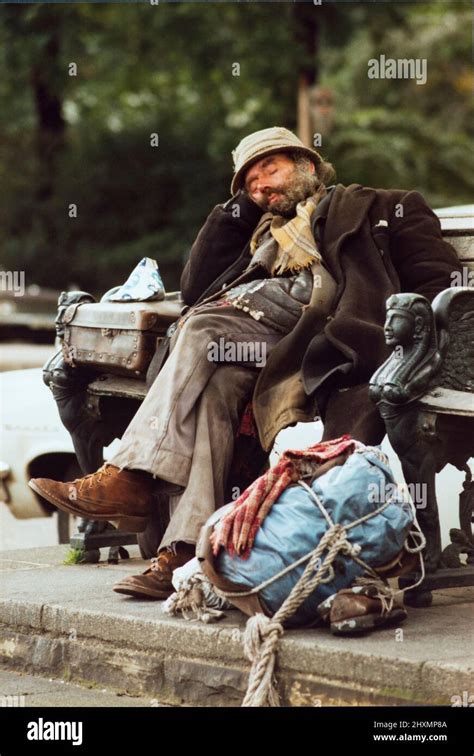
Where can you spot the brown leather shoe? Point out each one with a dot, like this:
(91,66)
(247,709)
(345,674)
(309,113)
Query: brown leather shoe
(155,582)
(123,496)
(354,611)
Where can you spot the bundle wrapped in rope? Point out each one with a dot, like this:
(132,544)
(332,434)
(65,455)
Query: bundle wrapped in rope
(313,541)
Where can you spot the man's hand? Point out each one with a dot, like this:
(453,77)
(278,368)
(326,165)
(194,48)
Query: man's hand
(245,194)
(220,244)
(241,205)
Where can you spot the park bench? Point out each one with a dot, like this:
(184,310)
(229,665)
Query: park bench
(107,401)
(425,394)
(431,425)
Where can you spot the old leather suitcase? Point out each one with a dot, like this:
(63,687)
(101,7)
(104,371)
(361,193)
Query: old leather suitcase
(117,337)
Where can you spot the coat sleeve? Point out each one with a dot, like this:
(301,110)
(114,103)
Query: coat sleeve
(423,260)
(219,243)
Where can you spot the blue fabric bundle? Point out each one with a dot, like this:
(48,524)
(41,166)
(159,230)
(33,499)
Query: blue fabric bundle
(295,525)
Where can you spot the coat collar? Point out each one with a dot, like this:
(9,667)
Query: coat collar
(322,208)
(347,210)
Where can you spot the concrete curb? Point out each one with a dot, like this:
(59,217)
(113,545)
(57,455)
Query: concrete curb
(64,621)
(181,662)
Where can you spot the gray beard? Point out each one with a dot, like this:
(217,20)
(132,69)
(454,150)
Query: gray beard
(301,186)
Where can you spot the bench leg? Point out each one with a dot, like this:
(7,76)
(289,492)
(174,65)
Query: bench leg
(419,470)
(90,432)
(413,438)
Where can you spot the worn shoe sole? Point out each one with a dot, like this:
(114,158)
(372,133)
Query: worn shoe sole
(367,622)
(121,522)
(150,593)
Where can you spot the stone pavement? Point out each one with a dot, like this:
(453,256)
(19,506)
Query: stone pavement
(65,622)
(21,689)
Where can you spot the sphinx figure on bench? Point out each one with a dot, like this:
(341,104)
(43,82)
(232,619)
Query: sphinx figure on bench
(424,393)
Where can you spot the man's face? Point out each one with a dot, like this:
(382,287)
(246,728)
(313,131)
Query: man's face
(277,184)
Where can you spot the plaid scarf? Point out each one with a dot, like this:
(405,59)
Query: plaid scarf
(237,530)
(293,240)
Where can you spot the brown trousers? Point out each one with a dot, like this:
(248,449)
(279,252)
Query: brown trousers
(184,431)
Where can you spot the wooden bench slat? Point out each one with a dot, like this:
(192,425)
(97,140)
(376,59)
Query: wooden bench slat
(114,385)
(464,246)
(462,223)
(449,402)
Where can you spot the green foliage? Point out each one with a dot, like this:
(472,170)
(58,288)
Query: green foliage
(74,556)
(168,69)
(396,133)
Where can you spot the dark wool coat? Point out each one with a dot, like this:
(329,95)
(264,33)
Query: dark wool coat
(323,368)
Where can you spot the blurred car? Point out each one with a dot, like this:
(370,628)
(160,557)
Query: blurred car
(33,443)
(29,317)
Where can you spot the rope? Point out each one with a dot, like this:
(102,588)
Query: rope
(261,638)
(380,591)
(262,634)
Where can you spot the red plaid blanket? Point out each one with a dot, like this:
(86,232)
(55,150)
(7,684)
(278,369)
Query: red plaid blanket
(247,423)
(237,530)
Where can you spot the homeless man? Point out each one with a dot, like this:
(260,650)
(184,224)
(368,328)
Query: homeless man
(300,269)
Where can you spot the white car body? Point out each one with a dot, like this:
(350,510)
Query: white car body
(31,433)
